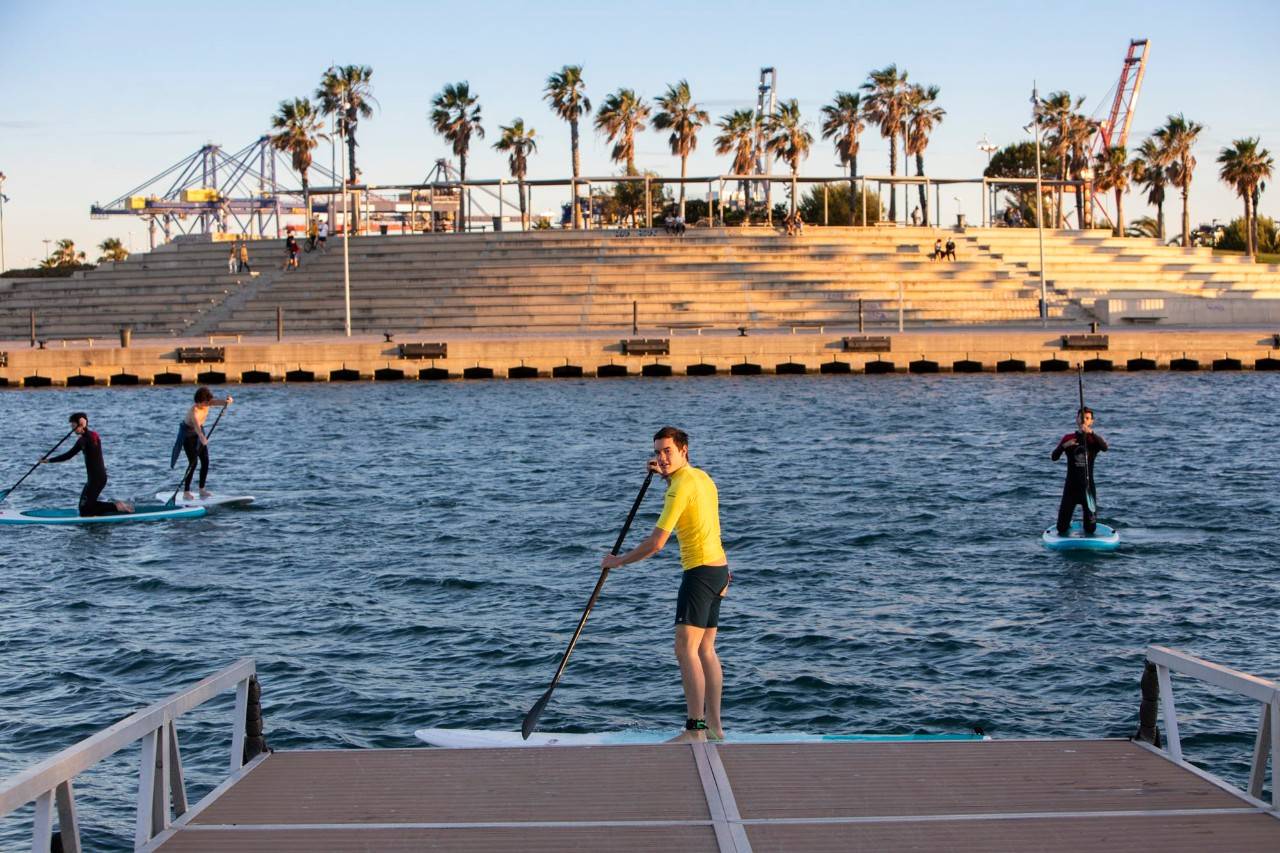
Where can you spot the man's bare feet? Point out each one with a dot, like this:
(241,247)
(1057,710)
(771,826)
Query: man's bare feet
(695,736)
(205,493)
(188,496)
(124,506)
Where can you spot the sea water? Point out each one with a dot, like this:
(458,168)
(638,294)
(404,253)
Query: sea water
(420,553)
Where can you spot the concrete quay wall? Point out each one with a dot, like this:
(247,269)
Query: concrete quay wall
(809,350)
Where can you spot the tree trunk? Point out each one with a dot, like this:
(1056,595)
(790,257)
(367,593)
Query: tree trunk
(573,198)
(1119,212)
(795,172)
(924,192)
(893,170)
(1186,218)
(853,190)
(524,218)
(1248,226)
(461,225)
(351,167)
(1160,220)
(1254,233)
(684,162)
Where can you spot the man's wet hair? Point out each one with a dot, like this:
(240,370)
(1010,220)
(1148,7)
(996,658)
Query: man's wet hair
(1084,410)
(679,436)
(203,394)
(75,418)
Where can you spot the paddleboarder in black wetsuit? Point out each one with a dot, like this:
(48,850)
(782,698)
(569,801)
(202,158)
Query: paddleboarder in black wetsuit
(1081,447)
(95,467)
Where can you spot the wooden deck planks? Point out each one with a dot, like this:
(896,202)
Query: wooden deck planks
(1051,796)
(1010,777)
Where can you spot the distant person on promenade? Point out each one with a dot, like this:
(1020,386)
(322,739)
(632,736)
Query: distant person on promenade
(90,444)
(194,442)
(233,260)
(244,257)
(937,253)
(951,249)
(915,216)
(291,250)
(322,234)
(692,511)
(1081,448)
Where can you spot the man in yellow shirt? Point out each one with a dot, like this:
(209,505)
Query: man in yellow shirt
(692,511)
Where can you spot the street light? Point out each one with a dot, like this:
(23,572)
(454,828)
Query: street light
(986,146)
(46,248)
(1086,209)
(1044,292)
(346,223)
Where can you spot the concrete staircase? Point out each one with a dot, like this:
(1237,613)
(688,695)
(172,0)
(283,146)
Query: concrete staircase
(566,282)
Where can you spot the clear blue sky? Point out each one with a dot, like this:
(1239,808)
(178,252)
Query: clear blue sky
(98,97)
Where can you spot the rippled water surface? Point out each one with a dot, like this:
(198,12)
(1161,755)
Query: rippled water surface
(420,553)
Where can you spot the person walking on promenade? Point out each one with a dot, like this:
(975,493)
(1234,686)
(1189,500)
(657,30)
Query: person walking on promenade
(233,260)
(244,257)
(194,442)
(322,234)
(291,250)
(692,511)
(312,232)
(1081,448)
(90,444)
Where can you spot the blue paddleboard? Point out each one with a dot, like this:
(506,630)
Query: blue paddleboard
(73,516)
(1104,538)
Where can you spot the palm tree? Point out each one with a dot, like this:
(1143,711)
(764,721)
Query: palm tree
(65,255)
(1058,111)
(886,106)
(619,119)
(1150,168)
(566,93)
(1144,226)
(1080,132)
(455,115)
(684,119)
(1113,172)
(738,133)
(519,144)
(1245,166)
(299,129)
(843,124)
(789,140)
(112,250)
(922,118)
(1178,136)
(347,92)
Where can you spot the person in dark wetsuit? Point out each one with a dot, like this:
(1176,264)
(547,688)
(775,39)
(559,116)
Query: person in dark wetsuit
(194,441)
(1081,447)
(95,467)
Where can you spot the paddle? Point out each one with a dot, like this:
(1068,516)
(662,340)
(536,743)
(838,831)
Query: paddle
(4,493)
(531,718)
(1089,496)
(191,466)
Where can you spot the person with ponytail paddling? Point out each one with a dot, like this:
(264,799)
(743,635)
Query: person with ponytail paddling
(692,511)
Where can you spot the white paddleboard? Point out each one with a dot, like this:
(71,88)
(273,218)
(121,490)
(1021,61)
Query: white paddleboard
(479,738)
(71,515)
(210,502)
(1104,538)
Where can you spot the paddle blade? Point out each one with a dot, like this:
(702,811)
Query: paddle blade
(4,493)
(531,719)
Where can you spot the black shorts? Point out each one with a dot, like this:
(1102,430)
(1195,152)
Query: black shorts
(702,588)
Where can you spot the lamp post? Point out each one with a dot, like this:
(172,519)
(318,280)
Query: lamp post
(986,146)
(1086,209)
(3,199)
(346,230)
(46,248)
(1044,292)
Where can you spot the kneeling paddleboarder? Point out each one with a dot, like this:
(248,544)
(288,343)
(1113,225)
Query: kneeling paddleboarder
(1081,447)
(90,444)
(692,511)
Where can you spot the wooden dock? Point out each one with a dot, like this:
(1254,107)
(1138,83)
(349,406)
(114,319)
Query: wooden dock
(1041,795)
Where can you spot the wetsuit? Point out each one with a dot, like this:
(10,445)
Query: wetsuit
(192,430)
(1079,482)
(692,511)
(96,470)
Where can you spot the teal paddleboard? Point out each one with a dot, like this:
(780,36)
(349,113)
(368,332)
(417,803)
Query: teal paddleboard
(60,515)
(479,738)
(1104,538)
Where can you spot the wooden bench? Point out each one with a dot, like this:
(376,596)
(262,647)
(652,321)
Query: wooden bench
(819,327)
(424,350)
(1142,319)
(213,339)
(691,327)
(867,343)
(1094,342)
(201,355)
(646,346)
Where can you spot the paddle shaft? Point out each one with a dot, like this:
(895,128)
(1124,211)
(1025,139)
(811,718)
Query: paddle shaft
(531,719)
(4,494)
(1084,437)
(191,466)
